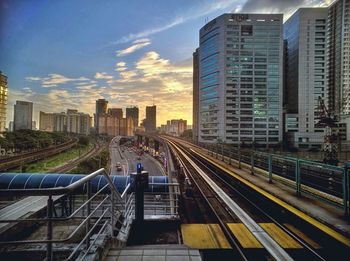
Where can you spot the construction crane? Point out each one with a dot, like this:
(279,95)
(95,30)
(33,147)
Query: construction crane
(329,122)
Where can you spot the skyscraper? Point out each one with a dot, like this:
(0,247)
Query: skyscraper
(338,58)
(46,121)
(151,118)
(3,101)
(305,75)
(101,108)
(133,112)
(195,96)
(116,112)
(23,115)
(240,79)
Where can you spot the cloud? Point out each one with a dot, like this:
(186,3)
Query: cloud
(121,64)
(191,15)
(287,7)
(55,79)
(138,44)
(103,75)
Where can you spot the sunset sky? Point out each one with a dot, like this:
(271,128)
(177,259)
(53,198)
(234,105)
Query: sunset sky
(66,54)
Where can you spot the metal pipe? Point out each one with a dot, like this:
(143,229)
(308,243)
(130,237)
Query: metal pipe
(49,229)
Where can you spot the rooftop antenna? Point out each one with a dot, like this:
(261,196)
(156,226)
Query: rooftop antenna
(153,99)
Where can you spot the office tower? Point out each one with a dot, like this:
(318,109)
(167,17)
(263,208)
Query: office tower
(151,118)
(133,112)
(46,121)
(3,101)
(305,75)
(338,58)
(23,114)
(116,112)
(240,79)
(101,108)
(195,96)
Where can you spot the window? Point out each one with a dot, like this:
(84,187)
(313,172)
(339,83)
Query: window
(246,30)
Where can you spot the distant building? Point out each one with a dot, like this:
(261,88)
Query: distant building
(101,109)
(174,127)
(3,101)
(133,112)
(338,58)
(305,75)
(23,115)
(46,121)
(150,123)
(10,129)
(195,96)
(116,112)
(78,122)
(240,79)
(60,122)
(113,126)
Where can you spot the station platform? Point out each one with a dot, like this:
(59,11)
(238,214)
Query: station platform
(327,218)
(211,236)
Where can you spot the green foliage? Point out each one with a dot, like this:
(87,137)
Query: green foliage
(84,140)
(88,166)
(31,139)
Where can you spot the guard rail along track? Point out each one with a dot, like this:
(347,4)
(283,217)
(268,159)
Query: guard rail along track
(228,202)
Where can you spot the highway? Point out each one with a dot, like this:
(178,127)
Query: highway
(128,157)
(248,220)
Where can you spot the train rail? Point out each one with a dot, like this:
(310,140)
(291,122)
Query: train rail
(232,205)
(18,160)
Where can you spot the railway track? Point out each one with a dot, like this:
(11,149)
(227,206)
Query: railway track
(18,160)
(232,203)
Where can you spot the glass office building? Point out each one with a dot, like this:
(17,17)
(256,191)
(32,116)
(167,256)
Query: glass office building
(240,79)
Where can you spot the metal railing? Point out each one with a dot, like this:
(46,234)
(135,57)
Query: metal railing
(322,181)
(97,213)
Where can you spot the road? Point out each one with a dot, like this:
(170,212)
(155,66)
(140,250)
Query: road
(128,159)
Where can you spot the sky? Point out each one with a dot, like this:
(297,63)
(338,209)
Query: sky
(69,53)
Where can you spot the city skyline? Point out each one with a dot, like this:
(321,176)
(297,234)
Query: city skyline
(96,52)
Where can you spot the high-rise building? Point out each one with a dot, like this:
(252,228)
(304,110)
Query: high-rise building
(101,108)
(78,122)
(240,79)
(23,115)
(116,112)
(151,118)
(133,112)
(305,75)
(46,121)
(338,58)
(60,122)
(174,127)
(195,96)
(3,101)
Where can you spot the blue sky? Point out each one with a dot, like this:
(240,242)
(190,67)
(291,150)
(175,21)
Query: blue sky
(66,54)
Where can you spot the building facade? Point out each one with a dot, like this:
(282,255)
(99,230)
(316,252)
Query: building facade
(77,122)
(133,112)
(101,108)
(305,75)
(3,101)
(23,115)
(46,121)
(174,127)
(240,79)
(150,123)
(116,112)
(338,58)
(195,96)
